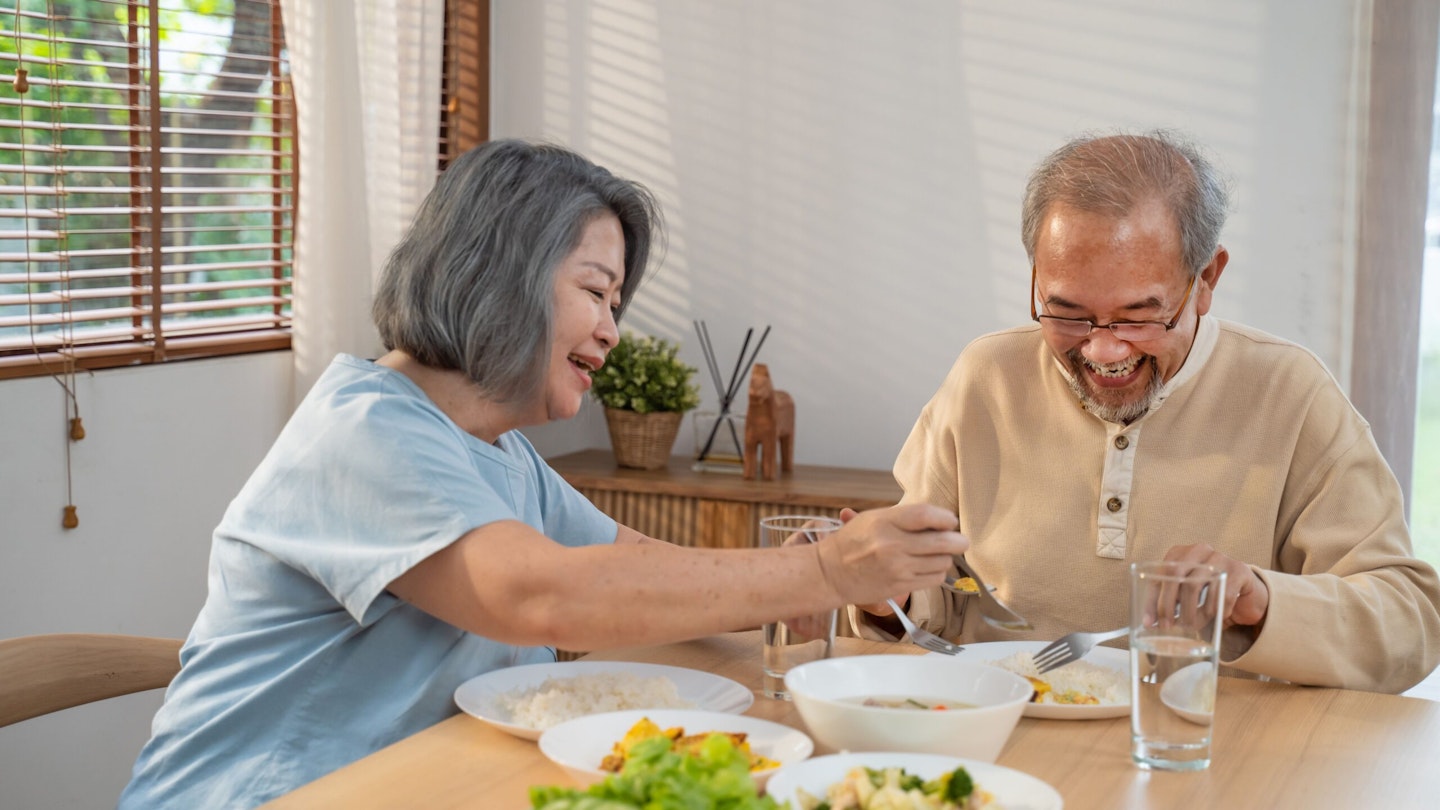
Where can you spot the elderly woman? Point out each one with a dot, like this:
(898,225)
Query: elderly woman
(402,536)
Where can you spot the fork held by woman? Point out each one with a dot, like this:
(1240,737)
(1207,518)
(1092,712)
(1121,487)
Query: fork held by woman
(921,637)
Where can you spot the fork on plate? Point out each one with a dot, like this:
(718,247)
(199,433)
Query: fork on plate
(1072,647)
(923,638)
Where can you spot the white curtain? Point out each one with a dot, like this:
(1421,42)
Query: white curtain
(367,89)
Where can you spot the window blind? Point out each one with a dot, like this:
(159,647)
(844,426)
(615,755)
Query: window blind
(147,182)
(465,90)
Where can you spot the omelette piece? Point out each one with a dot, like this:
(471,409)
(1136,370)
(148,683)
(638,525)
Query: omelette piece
(1041,688)
(643,729)
(680,743)
(1064,697)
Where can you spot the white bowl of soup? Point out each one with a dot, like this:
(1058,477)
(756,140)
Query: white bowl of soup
(915,703)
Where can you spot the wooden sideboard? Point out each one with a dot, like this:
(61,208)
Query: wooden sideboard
(717,509)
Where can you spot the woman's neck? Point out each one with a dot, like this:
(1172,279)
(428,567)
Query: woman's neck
(456,396)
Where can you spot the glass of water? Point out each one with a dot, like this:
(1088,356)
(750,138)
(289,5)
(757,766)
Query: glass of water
(799,639)
(1176,614)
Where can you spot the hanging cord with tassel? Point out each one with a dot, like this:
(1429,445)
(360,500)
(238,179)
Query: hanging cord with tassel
(66,378)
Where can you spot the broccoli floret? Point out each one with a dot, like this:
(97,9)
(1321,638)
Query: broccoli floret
(957,785)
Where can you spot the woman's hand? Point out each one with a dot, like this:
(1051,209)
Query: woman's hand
(881,553)
(881,608)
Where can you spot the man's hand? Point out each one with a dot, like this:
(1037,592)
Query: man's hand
(884,552)
(1246,598)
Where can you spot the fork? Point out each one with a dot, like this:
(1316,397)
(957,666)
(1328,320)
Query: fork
(1072,647)
(918,637)
(923,638)
(992,610)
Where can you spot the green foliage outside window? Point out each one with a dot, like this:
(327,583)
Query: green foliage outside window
(222,154)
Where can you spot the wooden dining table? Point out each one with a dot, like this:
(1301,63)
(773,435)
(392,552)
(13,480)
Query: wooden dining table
(1275,745)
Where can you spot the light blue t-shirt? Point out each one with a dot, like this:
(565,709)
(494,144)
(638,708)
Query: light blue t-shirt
(300,661)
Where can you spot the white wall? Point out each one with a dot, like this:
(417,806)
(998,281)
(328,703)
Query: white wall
(850,172)
(166,448)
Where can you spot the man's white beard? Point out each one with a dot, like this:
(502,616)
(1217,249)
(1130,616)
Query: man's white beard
(1122,414)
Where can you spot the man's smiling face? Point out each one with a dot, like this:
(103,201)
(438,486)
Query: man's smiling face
(1095,266)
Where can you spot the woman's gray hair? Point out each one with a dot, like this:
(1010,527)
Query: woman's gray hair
(471,285)
(1113,174)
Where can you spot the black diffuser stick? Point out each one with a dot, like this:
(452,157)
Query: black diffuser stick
(726,398)
(753,355)
(735,373)
(708,349)
(725,405)
(735,381)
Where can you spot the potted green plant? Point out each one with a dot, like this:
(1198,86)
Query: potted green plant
(645,389)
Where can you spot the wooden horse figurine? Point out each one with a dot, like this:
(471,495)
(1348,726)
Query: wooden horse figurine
(769,426)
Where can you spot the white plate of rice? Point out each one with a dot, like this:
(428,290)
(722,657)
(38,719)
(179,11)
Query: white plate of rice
(526,700)
(1104,672)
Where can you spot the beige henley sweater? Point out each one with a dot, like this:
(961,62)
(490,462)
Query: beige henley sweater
(1253,449)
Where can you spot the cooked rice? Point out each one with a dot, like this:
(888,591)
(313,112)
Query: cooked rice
(1104,683)
(560,699)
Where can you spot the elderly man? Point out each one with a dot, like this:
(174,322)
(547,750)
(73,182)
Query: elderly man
(1128,424)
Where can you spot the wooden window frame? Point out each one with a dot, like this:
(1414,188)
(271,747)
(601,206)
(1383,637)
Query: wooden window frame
(465,94)
(160,326)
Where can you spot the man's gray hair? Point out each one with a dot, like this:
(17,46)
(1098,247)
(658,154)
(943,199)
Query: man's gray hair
(1114,174)
(471,285)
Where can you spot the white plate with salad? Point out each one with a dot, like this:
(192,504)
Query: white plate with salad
(582,746)
(993,785)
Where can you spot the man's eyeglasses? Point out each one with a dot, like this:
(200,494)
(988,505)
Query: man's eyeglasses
(1128,331)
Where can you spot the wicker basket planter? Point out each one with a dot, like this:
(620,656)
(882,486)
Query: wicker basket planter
(642,440)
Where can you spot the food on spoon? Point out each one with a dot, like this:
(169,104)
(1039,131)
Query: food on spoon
(897,789)
(692,745)
(967,584)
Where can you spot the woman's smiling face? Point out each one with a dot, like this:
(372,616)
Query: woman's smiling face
(586,297)
(1094,266)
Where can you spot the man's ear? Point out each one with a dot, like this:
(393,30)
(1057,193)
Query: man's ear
(1209,277)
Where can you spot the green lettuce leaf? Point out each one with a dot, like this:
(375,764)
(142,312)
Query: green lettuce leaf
(716,777)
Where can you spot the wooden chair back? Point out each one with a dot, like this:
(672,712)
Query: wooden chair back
(47,673)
